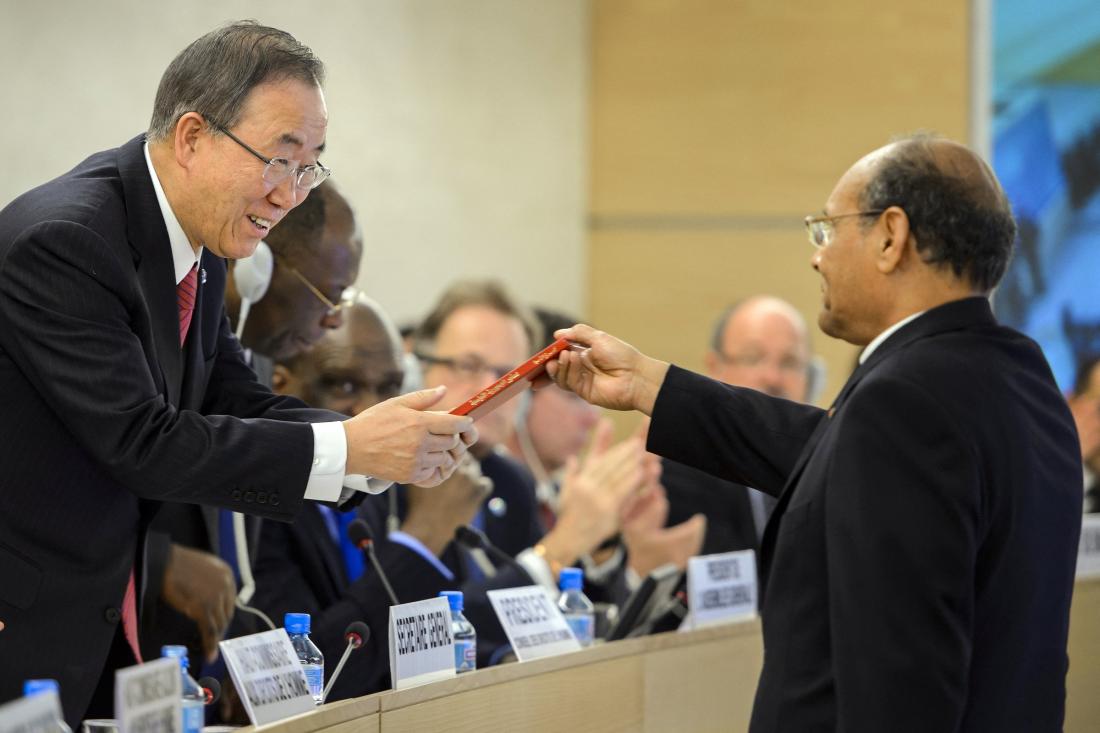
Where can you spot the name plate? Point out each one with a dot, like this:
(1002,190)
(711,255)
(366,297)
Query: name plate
(268,676)
(35,714)
(148,697)
(533,623)
(1088,551)
(422,648)
(721,588)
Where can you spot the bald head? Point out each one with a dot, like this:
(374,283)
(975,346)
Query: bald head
(352,367)
(762,343)
(958,214)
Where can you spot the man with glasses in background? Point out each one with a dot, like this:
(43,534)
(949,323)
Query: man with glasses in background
(761,343)
(123,384)
(917,570)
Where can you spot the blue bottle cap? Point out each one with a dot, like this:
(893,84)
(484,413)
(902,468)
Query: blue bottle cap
(296,623)
(35,687)
(571,579)
(454,598)
(176,651)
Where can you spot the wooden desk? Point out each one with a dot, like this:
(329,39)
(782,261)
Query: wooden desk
(697,681)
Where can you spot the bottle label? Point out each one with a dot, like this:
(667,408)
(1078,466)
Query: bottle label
(193,717)
(582,626)
(315,678)
(465,655)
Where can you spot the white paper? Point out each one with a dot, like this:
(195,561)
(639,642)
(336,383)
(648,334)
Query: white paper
(533,622)
(268,676)
(422,648)
(721,588)
(1088,551)
(148,697)
(35,714)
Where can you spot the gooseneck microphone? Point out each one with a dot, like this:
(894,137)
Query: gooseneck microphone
(211,690)
(360,534)
(356,635)
(473,538)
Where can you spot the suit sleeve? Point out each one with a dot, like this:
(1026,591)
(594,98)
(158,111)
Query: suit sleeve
(68,313)
(734,433)
(902,522)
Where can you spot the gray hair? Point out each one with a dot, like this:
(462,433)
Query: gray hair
(215,74)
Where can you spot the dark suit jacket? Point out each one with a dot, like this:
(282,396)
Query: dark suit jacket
(105,417)
(919,565)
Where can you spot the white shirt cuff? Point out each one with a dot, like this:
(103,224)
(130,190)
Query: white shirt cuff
(330,457)
(600,572)
(538,569)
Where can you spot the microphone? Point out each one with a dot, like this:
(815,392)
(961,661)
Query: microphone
(473,538)
(360,534)
(356,634)
(211,690)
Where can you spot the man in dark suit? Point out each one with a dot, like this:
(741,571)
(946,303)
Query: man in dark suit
(918,567)
(123,384)
(762,343)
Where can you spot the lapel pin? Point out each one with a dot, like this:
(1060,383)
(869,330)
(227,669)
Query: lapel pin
(202,276)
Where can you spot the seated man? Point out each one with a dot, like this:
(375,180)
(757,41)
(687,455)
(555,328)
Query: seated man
(762,343)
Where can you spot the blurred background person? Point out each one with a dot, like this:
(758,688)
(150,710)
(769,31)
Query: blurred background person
(762,343)
(1084,403)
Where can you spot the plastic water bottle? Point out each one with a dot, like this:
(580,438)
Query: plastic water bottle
(313,662)
(578,611)
(36,687)
(463,632)
(194,700)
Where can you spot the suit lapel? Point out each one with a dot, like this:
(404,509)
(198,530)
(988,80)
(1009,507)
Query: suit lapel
(153,258)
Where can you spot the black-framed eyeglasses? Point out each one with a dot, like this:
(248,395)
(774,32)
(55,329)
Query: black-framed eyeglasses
(331,308)
(277,170)
(468,366)
(821,229)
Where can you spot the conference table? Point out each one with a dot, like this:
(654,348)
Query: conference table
(701,680)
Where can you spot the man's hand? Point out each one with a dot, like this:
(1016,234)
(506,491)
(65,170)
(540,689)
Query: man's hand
(435,513)
(200,586)
(593,494)
(609,372)
(1086,414)
(399,440)
(649,544)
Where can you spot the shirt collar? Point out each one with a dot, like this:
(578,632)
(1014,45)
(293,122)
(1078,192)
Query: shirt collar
(183,256)
(877,342)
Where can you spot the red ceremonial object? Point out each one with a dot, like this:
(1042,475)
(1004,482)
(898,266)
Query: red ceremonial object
(512,383)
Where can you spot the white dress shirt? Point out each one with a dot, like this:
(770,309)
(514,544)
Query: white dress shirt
(327,477)
(877,342)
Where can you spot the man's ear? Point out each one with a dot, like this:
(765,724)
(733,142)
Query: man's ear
(891,239)
(185,143)
(280,378)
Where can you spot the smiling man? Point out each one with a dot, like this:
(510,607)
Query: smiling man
(123,384)
(917,570)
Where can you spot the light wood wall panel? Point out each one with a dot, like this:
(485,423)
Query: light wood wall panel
(717,125)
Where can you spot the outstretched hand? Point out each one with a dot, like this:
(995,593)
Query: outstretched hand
(608,372)
(400,440)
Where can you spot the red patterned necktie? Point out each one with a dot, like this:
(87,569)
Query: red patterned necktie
(185,298)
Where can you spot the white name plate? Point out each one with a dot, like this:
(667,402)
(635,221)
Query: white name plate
(35,714)
(148,697)
(1088,551)
(422,648)
(268,676)
(721,588)
(533,623)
